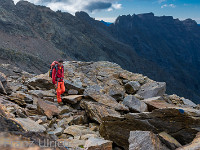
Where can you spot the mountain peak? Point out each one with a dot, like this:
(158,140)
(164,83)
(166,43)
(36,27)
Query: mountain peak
(190,22)
(128,18)
(83,15)
(146,15)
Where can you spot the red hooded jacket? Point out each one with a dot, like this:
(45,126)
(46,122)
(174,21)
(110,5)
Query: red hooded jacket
(59,74)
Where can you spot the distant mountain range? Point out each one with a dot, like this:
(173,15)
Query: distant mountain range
(163,48)
(106,23)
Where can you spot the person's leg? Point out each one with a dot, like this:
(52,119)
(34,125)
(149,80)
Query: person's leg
(58,90)
(62,87)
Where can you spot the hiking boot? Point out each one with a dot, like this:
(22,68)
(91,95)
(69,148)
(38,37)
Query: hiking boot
(61,103)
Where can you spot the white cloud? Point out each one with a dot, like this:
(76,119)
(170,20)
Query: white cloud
(115,6)
(163,6)
(172,5)
(168,5)
(73,6)
(161,1)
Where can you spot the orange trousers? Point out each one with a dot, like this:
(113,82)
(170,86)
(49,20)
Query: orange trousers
(60,90)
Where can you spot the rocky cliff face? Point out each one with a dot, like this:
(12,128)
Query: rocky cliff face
(105,108)
(170,43)
(163,48)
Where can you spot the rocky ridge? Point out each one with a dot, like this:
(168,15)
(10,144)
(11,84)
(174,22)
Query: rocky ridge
(105,108)
(32,37)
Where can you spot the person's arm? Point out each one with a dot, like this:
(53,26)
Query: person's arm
(54,76)
(63,72)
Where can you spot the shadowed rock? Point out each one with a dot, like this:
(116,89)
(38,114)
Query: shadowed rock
(132,87)
(180,124)
(194,145)
(42,81)
(3,83)
(169,141)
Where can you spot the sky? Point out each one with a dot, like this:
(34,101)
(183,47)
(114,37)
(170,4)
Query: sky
(109,10)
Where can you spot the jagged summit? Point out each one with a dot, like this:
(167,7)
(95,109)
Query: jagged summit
(82,14)
(150,16)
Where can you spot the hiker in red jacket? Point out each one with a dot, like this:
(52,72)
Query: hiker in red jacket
(57,79)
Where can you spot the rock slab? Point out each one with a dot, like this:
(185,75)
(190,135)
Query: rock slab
(97,111)
(180,124)
(30,125)
(97,144)
(135,104)
(145,140)
(152,89)
(47,109)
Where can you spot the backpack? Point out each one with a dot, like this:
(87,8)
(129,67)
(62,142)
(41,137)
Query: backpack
(53,65)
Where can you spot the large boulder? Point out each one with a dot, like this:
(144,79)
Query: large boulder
(70,85)
(152,89)
(72,99)
(132,87)
(194,145)
(97,144)
(145,140)
(47,109)
(95,93)
(97,111)
(157,103)
(182,124)
(135,104)
(41,81)
(29,125)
